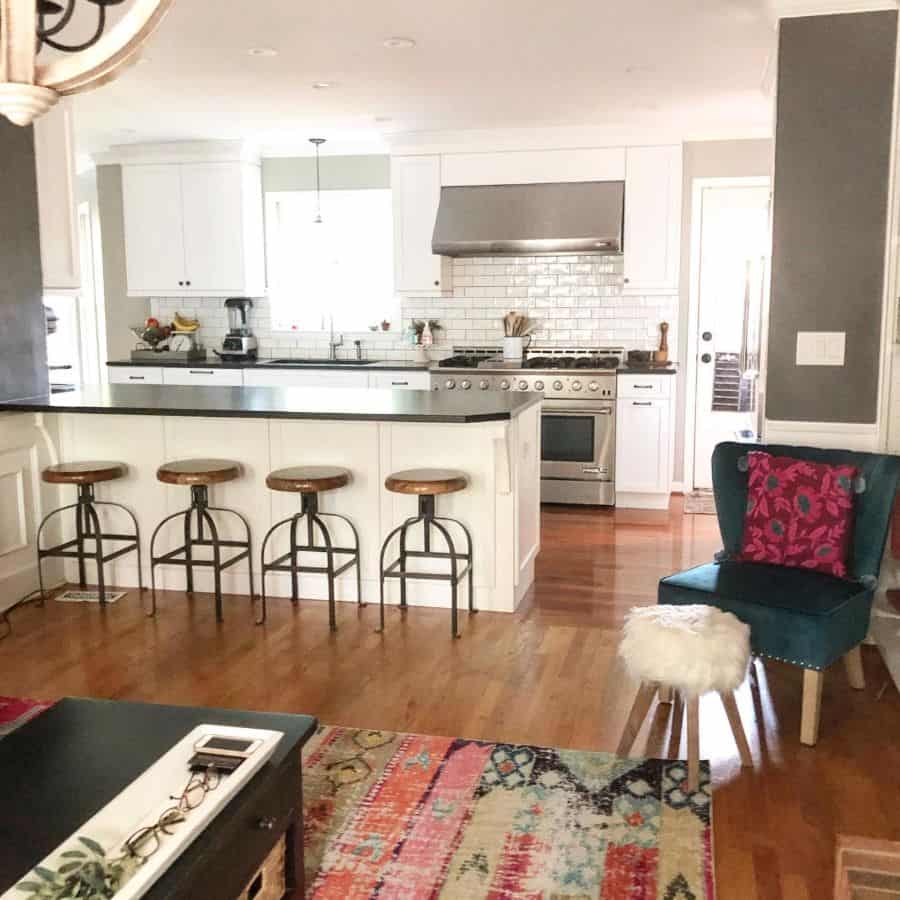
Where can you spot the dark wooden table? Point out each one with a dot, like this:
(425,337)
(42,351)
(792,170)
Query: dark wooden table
(63,766)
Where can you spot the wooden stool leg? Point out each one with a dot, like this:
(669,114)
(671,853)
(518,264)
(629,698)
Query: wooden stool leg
(693,742)
(812,705)
(636,717)
(854,667)
(737,729)
(665,694)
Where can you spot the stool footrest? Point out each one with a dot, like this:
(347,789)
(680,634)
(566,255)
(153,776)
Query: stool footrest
(393,570)
(169,558)
(62,551)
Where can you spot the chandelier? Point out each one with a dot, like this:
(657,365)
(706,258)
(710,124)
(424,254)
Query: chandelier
(28,88)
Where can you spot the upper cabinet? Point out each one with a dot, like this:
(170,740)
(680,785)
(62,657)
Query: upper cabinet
(416,189)
(652,248)
(193,228)
(55,163)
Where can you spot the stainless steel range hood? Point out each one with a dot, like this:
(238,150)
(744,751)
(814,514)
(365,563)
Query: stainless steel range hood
(530,219)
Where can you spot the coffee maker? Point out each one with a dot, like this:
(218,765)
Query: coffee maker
(239,343)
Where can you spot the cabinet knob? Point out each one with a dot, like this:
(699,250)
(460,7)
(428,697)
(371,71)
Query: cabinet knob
(180,284)
(627,281)
(437,284)
(188,283)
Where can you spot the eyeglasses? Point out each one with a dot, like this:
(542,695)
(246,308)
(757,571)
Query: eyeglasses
(146,841)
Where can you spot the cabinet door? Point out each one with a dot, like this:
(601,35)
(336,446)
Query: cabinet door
(154,229)
(416,189)
(642,445)
(213,228)
(134,374)
(203,377)
(652,219)
(400,381)
(263,377)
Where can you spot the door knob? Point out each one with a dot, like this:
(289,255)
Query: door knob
(707,335)
(706,358)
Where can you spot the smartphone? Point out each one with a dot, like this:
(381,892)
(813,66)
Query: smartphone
(220,745)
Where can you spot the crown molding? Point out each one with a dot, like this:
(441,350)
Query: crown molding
(789,9)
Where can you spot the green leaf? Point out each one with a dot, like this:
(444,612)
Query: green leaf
(91,844)
(46,874)
(65,868)
(30,886)
(74,854)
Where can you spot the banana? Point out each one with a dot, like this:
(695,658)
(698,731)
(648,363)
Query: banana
(183,323)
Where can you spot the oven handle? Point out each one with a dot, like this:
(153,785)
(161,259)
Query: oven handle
(569,411)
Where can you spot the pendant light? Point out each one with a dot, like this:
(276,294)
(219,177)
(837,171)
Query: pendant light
(317,142)
(27,88)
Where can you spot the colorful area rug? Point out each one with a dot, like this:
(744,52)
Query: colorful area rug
(401,815)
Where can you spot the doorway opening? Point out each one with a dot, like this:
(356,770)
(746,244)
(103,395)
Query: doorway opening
(730,252)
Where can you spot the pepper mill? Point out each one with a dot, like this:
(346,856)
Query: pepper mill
(662,355)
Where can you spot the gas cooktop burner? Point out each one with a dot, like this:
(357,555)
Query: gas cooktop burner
(572,362)
(464,360)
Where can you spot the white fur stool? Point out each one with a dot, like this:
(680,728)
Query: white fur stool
(693,650)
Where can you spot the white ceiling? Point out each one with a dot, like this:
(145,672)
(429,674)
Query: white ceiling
(696,66)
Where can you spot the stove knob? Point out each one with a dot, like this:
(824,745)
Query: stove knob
(576,385)
(523,385)
(504,385)
(593,386)
(465,384)
(539,385)
(449,384)
(557,385)
(484,384)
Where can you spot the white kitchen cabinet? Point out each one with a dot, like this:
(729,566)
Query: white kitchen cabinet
(401,380)
(416,191)
(134,374)
(193,229)
(644,441)
(201,376)
(263,377)
(652,246)
(54,152)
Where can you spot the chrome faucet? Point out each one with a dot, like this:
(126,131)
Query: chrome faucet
(332,343)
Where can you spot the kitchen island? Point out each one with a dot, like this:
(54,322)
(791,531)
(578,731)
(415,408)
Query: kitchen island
(493,438)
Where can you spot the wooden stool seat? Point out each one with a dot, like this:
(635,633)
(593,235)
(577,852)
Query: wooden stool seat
(90,472)
(308,479)
(426,481)
(198,471)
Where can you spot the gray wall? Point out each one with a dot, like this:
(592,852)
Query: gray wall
(23,329)
(338,173)
(707,159)
(121,310)
(832,157)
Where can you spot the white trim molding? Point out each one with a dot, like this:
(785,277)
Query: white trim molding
(790,9)
(832,435)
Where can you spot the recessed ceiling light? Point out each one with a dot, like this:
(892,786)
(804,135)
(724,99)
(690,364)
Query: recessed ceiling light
(322,85)
(262,51)
(399,43)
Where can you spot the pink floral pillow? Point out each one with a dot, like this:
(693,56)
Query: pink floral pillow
(799,513)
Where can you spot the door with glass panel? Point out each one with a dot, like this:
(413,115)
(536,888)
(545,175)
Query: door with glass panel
(732,281)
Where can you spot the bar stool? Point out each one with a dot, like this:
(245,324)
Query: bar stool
(426,484)
(87,523)
(199,474)
(309,482)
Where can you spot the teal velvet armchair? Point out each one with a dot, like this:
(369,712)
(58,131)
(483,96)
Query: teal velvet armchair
(802,617)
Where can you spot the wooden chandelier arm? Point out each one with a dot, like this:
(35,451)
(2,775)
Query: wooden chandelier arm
(18,22)
(114,52)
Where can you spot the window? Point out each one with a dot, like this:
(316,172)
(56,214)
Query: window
(341,268)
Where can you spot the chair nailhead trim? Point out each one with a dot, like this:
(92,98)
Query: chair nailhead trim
(793,662)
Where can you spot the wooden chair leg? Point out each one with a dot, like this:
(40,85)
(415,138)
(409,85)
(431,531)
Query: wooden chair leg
(853,664)
(812,705)
(665,694)
(693,742)
(636,717)
(737,729)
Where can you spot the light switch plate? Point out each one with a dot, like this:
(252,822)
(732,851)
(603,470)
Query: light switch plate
(821,348)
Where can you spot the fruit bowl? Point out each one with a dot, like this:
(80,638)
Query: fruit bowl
(152,336)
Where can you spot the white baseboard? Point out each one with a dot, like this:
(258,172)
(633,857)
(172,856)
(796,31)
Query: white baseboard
(632,500)
(677,487)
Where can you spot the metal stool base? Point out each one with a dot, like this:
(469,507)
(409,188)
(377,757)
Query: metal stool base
(287,562)
(87,528)
(398,568)
(184,555)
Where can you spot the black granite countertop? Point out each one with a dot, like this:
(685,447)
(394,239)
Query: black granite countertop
(394,365)
(348,404)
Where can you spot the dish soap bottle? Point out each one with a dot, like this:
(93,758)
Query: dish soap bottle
(427,336)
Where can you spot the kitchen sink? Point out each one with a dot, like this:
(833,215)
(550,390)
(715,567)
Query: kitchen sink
(316,362)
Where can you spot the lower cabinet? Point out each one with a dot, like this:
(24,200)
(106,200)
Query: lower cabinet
(309,378)
(201,377)
(134,374)
(644,440)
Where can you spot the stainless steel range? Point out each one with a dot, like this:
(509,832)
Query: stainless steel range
(578,417)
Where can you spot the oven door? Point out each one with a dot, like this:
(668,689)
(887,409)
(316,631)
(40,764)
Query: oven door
(578,440)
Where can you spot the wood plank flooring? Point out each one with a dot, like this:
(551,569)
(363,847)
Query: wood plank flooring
(546,675)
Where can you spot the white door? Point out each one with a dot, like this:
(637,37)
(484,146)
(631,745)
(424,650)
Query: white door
(732,262)
(154,228)
(213,246)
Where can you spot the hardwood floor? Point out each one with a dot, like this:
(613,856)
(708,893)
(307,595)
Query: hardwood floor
(546,675)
